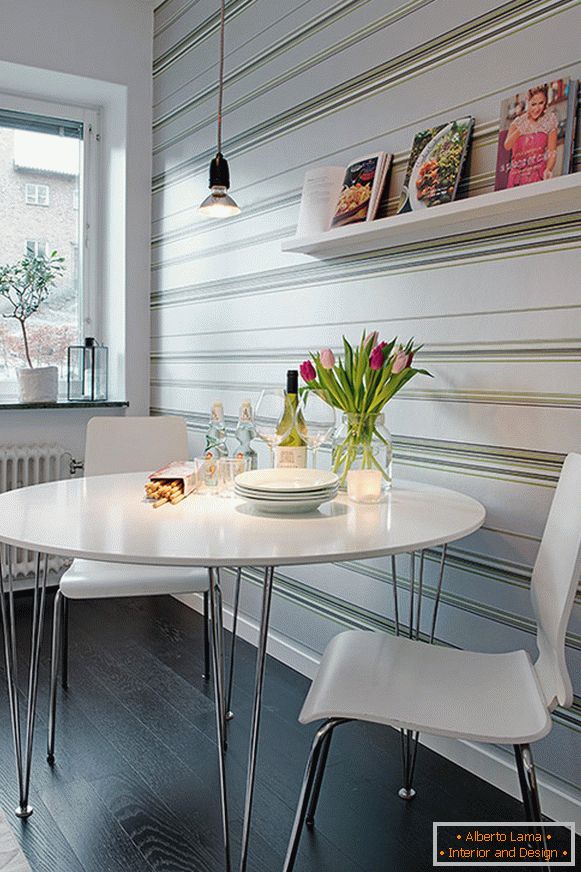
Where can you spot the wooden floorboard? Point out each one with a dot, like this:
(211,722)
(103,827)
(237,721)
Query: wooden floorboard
(135,783)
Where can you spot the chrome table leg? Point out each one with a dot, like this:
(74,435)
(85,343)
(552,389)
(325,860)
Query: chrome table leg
(410,738)
(54,657)
(216,620)
(229,714)
(22,750)
(206,672)
(257,707)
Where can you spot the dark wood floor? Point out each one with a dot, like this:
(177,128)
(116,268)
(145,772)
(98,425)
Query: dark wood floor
(135,783)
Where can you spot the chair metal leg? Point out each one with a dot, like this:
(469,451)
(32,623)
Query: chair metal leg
(320,742)
(229,713)
(310,819)
(65,645)
(528,782)
(206,672)
(54,658)
(22,751)
(409,750)
(256,713)
(216,616)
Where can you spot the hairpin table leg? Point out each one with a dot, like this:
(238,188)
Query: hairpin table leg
(410,738)
(22,749)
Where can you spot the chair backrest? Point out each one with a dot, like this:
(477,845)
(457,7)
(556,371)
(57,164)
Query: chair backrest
(134,444)
(554,583)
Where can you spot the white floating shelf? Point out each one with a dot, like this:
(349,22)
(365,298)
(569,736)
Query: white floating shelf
(538,200)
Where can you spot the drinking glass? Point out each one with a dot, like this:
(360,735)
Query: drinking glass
(268,418)
(320,419)
(228,469)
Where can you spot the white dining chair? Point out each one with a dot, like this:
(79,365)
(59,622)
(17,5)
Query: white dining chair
(117,445)
(499,698)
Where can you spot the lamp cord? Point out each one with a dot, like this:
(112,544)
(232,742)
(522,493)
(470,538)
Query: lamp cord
(221,73)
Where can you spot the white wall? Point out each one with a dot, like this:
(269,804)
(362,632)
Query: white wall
(322,82)
(103,48)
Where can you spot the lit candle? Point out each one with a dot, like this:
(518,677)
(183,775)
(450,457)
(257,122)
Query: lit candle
(364,485)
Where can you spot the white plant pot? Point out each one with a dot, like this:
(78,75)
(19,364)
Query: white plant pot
(38,385)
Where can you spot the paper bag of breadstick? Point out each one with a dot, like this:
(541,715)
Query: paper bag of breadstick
(172,483)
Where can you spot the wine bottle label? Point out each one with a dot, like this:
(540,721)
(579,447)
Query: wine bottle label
(290,456)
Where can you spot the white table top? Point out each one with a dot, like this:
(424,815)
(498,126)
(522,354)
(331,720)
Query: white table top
(107,518)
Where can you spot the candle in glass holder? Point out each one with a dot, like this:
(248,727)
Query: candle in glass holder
(364,485)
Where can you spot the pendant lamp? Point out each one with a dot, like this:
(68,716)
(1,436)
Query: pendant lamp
(219,204)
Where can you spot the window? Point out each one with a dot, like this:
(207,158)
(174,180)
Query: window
(46,153)
(34,248)
(36,195)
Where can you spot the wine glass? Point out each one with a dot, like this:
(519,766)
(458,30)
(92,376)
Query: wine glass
(271,420)
(319,419)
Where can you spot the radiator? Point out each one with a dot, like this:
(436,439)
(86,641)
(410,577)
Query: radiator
(23,465)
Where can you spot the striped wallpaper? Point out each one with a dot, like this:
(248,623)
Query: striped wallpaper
(315,81)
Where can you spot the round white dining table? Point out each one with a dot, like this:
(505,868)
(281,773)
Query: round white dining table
(107,518)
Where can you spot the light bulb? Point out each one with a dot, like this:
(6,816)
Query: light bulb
(219,204)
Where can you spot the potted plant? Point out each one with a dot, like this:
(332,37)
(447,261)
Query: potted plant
(25,286)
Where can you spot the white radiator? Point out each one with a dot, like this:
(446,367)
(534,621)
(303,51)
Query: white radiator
(23,465)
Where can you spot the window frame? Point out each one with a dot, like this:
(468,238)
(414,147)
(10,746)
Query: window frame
(90,319)
(36,188)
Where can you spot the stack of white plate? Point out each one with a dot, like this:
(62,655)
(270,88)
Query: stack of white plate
(287,490)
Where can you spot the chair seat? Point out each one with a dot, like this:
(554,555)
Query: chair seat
(89,579)
(443,691)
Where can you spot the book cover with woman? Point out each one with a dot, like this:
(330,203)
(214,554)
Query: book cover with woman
(536,134)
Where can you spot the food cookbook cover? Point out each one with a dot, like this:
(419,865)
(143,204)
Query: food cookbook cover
(435,165)
(359,190)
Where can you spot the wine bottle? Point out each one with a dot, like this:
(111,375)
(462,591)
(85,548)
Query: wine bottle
(292,451)
(245,433)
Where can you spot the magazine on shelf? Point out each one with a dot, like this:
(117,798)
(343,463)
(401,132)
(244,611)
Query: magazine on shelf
(435,165)
(361,189)
(536,134)
(321,190)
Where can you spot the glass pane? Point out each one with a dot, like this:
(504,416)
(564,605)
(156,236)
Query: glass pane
(41,212)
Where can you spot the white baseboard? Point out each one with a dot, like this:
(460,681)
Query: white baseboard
(486,761)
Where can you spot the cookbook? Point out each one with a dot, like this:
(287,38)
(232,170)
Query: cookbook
(361,190)
(435,165)
(536,134)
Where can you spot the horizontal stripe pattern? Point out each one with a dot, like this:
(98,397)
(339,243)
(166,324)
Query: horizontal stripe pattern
(498,310)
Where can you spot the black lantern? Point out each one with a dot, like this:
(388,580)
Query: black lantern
(87,372)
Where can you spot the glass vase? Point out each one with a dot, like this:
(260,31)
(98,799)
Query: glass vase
(362,457)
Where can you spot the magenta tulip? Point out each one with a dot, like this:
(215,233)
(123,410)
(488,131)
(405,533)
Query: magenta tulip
(376,358)
(308,371)
(401,362)
(327,358)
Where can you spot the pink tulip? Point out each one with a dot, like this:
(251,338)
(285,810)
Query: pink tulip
(308,372)
(327,358)
(376,358)
(371,340)
(402,361)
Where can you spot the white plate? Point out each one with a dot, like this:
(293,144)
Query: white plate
(286,507)
(295,498)
(288,480)
(307,494)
